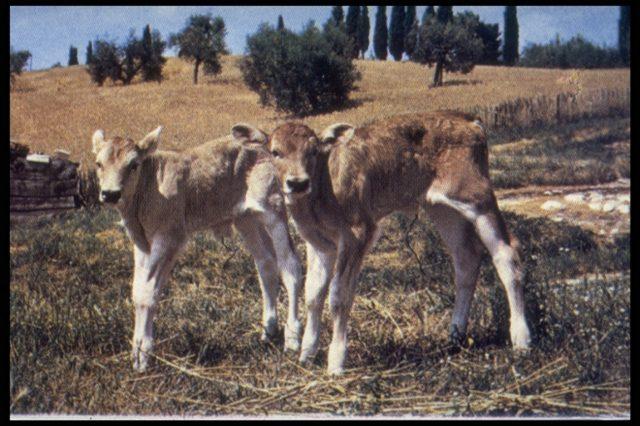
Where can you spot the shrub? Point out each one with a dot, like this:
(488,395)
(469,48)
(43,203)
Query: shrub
(575,53)
(123,63)
(300,73)
(17,62)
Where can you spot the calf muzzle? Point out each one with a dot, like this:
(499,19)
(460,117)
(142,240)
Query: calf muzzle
(110,196)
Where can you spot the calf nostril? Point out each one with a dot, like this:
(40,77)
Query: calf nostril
(298,185)
(110,196)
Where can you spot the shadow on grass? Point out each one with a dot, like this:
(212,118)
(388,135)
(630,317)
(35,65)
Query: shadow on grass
(457,82)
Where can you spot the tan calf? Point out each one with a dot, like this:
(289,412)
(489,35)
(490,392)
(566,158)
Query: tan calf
(163,197)
(339,186)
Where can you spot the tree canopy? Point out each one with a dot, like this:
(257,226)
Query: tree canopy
(202,42)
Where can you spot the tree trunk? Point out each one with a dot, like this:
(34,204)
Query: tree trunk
(437,75)
(195,72)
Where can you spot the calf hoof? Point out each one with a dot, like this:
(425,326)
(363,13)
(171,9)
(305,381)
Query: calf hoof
(457,338)
(335,371)
(269,335)
(140,361)
(520,338)
(307,356)
(292,338)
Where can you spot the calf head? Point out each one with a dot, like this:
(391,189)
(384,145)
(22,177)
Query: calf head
(296,150)
(118,163)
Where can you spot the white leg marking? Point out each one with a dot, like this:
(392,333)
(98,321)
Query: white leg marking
(258,242)
(291,275)
(319,271)
(459,237)
(150,274)
(504,259)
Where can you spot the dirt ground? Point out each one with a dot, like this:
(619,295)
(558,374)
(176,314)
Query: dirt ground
(603,209)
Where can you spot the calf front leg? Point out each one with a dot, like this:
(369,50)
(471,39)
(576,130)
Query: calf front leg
(259,244)
(319,272)
(290,273)
(150,274)
(342,292)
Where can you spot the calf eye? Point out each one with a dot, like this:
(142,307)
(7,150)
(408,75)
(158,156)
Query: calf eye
(276,153)
(98,164)
(134,166)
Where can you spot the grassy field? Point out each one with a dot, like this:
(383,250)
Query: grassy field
(585,152)
(71,321)
(60,108)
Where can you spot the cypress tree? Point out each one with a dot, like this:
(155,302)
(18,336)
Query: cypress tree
(280,22)
(396,32)
(380,34)
(410,30)
(510,50)
(624,32)
(352,27)
(89,56)
(337,15)
(151,55)
(445,14)
(409,18)
(429,12)
(73,55)
(363,30)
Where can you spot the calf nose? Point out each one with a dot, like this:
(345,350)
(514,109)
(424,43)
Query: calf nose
(298,185)
(110,196)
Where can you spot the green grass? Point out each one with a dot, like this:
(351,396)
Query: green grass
(71,320)
(559,157)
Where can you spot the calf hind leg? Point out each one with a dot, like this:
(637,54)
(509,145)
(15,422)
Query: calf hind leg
(465,250)
(491,229)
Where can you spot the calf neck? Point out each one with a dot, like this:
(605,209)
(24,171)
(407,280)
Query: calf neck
(163,197)
(339,187)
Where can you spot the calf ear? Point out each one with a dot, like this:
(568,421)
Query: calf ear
(98,141)
(149,143)
(246,133)
(340,132)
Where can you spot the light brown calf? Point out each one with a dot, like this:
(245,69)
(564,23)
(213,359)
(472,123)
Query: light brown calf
(339,186)
(163,197)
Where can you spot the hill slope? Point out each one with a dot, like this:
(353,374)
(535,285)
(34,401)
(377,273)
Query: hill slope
(60,108)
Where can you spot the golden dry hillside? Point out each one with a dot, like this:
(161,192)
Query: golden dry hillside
(60,108)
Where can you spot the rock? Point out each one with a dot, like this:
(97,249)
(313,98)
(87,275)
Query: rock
(595,206)
(576,198)
(609,206)
(547,192)
(625,198)
(595,196)
(623,208)
(38,158)
(552,205)
(557,219)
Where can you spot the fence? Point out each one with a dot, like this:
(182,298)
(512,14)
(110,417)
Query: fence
(565,107)
(41,183)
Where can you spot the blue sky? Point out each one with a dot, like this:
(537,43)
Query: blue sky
(48,31)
